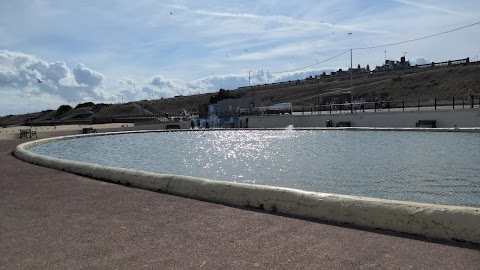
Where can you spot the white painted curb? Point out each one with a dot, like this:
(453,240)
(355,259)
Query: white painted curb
(451,223)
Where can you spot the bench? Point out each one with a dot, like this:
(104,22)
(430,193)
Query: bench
(429,123)
(344,124)
(27,133)
(89,130)
(173,126)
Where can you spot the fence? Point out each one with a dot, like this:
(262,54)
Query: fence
(110,119)
(346,73)
(388,105)
(378,106)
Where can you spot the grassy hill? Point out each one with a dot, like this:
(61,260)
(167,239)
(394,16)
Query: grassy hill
(412,84)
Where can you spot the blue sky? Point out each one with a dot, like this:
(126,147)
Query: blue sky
(106,51)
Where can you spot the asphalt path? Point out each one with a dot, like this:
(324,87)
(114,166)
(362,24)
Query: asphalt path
(50,219)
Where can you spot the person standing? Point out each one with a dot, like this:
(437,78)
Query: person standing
(471,97)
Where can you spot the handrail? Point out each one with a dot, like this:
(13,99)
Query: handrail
(450,103)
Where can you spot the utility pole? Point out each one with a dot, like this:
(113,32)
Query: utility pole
(249,95)
(351,81)
(318,89)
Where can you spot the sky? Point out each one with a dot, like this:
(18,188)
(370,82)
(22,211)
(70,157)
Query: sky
(120,51)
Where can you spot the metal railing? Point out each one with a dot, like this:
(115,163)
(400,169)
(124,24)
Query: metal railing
(391,105)
(156,118)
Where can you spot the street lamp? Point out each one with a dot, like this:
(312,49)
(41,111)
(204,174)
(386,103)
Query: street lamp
(249,78)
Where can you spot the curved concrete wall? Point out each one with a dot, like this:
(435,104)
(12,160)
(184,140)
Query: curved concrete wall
(436,221)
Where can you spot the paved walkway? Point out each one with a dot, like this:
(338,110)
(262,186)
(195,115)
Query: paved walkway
(55,220)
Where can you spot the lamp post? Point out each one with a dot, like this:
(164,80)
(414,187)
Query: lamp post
(318,89)
(351,81)
(249,95)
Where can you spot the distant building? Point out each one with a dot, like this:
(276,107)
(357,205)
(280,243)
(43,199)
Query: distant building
(357,70)
(393,65)
(340,72)
(234,107)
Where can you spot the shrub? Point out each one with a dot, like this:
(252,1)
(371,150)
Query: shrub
(86,104)
(63,109)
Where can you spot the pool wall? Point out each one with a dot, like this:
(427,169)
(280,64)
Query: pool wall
(451,223)
(461,118)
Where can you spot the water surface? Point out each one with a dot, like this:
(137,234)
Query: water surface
(433,167)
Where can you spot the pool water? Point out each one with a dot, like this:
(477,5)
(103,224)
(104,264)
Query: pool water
(432,167)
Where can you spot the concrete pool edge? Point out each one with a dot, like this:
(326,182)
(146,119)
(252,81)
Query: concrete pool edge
(451,223)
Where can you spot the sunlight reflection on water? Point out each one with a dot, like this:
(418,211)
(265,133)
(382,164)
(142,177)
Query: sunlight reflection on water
(417,166)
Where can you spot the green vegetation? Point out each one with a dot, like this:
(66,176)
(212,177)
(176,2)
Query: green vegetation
(86,104)
(222,94)
(63,109)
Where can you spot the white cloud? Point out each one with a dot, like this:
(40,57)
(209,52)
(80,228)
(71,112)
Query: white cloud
(161,83)
(158,86)
(419,61)
(431,7)
(128,83)
(7,77)
(19,74)
(214,83)
(86,76)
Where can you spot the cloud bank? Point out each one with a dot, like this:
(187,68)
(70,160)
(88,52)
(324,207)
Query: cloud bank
(28,77)
(160,87)
(60,85)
